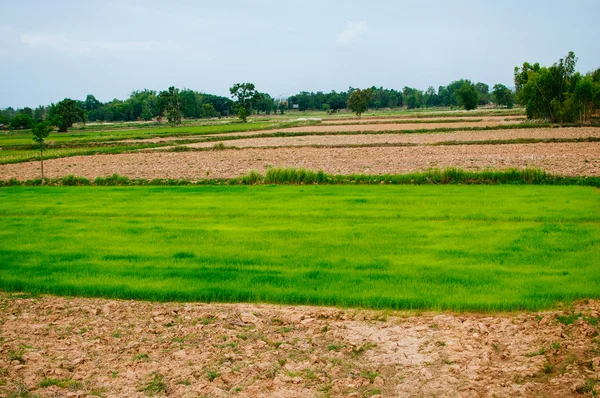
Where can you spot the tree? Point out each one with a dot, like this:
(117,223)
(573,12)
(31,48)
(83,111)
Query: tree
(40,132)
(171,104)
(65,113)
(503,95)
(484,93)
(146,111)
(358,101)
(550,92)
(245,95)
(21,121)
(467,96)
(208,111)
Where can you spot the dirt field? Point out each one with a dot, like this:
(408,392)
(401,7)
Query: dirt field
(424,138)
(324,128)
(93,347)
(576,159)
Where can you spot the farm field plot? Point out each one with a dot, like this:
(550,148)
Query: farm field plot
(426,247)
(417,139)
(571,159)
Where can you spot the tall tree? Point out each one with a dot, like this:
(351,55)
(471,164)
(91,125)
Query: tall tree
(65,113)
(467,95)
(245,95)
(171,103)
(358,101)
(503,95)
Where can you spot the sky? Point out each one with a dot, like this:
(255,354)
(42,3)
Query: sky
(51,50)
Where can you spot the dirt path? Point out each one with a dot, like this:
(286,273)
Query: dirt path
(93,347)
(576,159)
(425,138)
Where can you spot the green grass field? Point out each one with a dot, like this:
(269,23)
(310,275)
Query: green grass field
(403,247)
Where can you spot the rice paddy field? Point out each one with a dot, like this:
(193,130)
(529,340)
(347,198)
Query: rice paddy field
(399,247)
(427,253)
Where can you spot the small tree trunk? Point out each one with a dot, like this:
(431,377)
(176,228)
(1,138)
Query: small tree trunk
(42,160)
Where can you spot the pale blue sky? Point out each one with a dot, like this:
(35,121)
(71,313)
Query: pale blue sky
(50,50)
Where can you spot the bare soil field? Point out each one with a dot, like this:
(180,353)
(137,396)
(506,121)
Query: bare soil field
(93,347)
(573,159)
(423,138)
(356,127)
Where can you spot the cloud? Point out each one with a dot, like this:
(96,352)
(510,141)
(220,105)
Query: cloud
(352,32)
(67,44)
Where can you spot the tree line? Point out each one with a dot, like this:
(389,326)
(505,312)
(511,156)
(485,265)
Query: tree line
(453,95)
(556,93)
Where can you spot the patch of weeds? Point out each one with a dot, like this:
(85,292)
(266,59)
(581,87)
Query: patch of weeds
(3,372)
(358,351)
(282,361)
(371,392)
(291,373)
(17,355)
(556,345)
(155,386)
(236,389)
(589,386)
(371,376)
(333,347)
(285,329)
(185,382)
(98,392)
(141,357)
(324,329)
(309,374)
(114,374)
(242,337)
(548,368)
(212,374)
(277,322)
(177,340)
(434,326)
(21,392)
(591,320)
(440,343)
(117,334)
(541,351)
(207,320)
(567,319)
(232,345)
(62,383)
(447,362)
(219,146)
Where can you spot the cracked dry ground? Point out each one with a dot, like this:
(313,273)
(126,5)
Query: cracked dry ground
(93,347)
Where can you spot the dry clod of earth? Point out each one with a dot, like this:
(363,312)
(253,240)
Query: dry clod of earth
(92,347)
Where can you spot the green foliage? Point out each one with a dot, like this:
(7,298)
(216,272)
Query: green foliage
(157,385)
(467,96)
(503,96)
(557,93)
(378,246)
(21,121)
(208,111)
(245,95)
(40,133)
(358,101)
(171,103)
(65,113)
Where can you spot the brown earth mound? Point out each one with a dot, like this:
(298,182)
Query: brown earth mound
(92,347)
